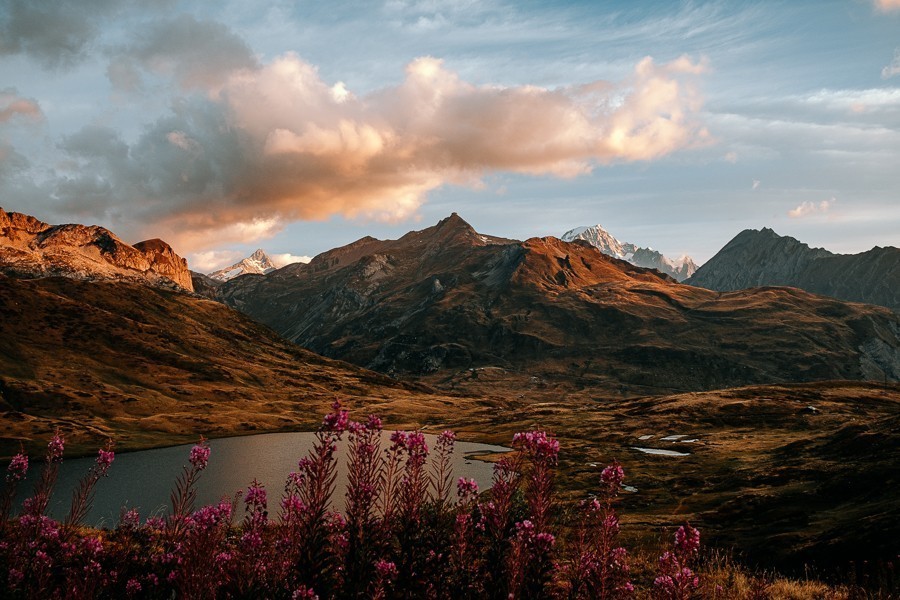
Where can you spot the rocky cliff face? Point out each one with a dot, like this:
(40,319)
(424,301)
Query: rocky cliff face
(165,262)
(759,258)
(447,300)
(29,247)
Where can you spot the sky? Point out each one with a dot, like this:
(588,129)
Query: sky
(298,126)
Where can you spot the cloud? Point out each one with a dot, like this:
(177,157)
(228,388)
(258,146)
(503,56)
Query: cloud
(755,185)
(213,260)
(276,144)
(893,68)
(281,260)
(805,209)
(12,105)
(197,54)
(56,34)
(887,5)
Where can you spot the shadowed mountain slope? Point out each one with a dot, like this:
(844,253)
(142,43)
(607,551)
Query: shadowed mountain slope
(758,258)
(447,298)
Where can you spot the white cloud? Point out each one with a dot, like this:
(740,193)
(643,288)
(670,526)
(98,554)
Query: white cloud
(756,183)
(281,260)
(893,68)
(213,260)
(806,209)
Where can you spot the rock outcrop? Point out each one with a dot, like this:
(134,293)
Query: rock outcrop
(763,258)
(31,248)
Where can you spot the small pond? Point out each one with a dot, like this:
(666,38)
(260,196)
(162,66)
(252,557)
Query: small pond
(144,479)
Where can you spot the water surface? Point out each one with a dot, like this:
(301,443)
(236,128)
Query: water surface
(144,479)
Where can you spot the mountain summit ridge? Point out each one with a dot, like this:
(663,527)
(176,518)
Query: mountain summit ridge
(648,258)
(762,258)
(257,263)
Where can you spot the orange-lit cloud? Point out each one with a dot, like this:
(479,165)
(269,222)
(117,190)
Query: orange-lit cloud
(277,143)
(806,209)
(887,5)
(12,105)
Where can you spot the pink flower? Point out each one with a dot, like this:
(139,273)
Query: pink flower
(200,455)
(415,443)
(398,440)
(386,570)
(336,420)
(304,593)
(130,519)
(538,444)
(613,476)
(93,545)
(687,540)
(15,578)
(17,468)
(156,522)
(466,488)
(256,495)
(373,423)
(56,447)
(104,460)
(133,587)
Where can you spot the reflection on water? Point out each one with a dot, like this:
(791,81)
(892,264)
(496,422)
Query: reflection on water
(661,452)
(144,479)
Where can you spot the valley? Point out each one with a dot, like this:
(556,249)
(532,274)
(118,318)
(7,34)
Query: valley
(489,337)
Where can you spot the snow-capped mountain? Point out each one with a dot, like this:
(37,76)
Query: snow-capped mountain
(680,268)
(257,263)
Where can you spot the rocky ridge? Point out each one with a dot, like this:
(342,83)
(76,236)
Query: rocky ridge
(648,258)
(31,248)
(257,263)
(764,258)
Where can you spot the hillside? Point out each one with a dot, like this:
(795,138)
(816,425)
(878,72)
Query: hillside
(762,257)
(151,366)
(445,300)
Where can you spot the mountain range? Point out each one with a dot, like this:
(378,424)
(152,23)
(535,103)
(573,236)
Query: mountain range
(448,299)
(679,269)
(762,257)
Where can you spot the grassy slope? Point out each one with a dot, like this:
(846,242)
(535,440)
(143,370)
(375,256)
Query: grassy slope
(152,367)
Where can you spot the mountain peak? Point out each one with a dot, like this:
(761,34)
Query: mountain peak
(454,222)
(257,263)
(680,268)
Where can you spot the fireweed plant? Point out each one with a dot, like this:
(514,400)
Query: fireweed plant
(405,531)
